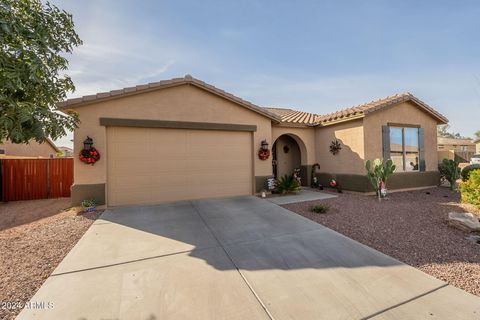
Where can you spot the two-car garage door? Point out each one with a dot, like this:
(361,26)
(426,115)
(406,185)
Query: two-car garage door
(153,165)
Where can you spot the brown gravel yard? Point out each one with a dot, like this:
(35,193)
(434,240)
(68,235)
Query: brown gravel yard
(409,226)
(34,237)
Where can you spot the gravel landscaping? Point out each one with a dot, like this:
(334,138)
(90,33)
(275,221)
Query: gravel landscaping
(409,226)
(34,237)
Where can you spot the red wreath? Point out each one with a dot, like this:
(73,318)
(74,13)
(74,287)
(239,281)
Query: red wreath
(263,154)
(89,156)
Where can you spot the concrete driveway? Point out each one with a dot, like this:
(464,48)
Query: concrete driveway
(237,258)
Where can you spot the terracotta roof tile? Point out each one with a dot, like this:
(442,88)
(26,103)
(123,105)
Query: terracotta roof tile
(284,115)
(363,109)
(293,116)
(188,79)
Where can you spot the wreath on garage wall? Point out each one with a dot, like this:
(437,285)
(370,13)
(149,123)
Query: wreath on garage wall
(89,156)
(263,154)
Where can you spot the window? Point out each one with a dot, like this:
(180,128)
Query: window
(463,148)
(404,149)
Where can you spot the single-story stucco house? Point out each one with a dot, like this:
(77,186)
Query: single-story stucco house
(184,139)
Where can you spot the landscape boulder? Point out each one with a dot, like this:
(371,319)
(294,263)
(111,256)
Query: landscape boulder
(464,221)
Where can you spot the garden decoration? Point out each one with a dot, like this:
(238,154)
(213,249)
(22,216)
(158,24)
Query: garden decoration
(378,175)
(334,184)
(315,183)
(264,152)
(89,154)
(271,183)
(296,175)
(89,205)
(335,147)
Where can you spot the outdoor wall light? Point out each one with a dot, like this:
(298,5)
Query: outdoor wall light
(87,144)
(264,145)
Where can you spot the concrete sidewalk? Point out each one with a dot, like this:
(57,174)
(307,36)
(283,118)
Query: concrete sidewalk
(237,258)
(306,194)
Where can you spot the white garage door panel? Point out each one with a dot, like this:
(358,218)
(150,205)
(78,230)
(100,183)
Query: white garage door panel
(147,165)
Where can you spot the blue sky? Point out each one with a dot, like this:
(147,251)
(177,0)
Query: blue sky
(316,56)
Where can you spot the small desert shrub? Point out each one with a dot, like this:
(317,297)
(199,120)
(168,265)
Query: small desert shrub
(468,169)
(287,184)
(88,203)
(320,208)
(471,189)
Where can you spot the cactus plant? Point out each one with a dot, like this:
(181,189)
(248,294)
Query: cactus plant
(378,173)
(450,169)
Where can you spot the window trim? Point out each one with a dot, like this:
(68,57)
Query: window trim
(404,151)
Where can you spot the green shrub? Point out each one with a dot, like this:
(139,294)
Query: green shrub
(287,184)
(468,169)
(451,171)
(471,189)
(320,208)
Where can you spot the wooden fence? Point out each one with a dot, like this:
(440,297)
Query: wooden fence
(27,179)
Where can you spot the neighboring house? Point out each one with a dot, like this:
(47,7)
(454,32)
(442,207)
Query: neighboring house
(456,144)
(33,149)
(66,151)
(477,146)
(183,139)
(450,148)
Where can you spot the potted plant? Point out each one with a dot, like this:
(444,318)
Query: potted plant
(89,205)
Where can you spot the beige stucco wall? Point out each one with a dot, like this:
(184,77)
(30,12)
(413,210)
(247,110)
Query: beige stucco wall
(180,103)
(404,113)
(351,157)
(478,147)
(32,149)
(304,136)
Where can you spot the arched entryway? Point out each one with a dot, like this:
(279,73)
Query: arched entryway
(287,156)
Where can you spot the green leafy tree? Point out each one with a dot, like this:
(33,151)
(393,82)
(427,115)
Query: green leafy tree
(477,134)
(33,37)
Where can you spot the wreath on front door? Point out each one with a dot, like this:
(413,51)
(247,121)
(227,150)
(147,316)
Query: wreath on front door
(263,154)
(89,156)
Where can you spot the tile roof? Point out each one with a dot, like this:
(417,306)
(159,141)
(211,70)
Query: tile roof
(293,116)
(188,79)
(284,115)
(375,105)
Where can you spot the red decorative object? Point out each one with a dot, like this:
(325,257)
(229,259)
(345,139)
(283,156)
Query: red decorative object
(89,156)
(263,154)
(333,183)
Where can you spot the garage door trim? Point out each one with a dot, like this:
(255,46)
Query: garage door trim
(144,123)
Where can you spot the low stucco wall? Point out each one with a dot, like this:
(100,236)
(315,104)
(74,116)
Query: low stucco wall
(398,181)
